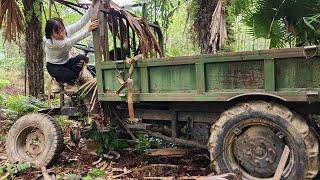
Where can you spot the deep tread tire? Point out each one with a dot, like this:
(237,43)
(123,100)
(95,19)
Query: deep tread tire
(53,140)
(305,144)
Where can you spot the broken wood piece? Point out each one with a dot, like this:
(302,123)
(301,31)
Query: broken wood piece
(167,152)
(99,165)
(160,178)
(45,174)
(96,162)
(144,168)
(118,170)
(227,176)
(282,163)
(104,167)
(5,176)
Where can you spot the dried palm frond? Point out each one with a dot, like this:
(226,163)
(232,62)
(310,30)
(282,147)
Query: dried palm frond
(219,33)
(144,32)
(11,20)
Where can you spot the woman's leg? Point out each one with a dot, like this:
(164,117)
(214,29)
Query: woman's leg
(76,64)
(61,73)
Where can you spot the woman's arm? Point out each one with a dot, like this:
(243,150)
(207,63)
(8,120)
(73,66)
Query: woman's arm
(67,43)
(73,28)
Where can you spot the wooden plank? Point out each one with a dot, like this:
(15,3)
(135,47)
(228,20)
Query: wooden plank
(98,51)
(282,163)
(200,78)
(269,75)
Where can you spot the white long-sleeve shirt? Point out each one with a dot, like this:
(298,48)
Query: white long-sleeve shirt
(58,51)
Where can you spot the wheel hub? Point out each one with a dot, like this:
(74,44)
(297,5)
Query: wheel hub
(35,143)
(258,151)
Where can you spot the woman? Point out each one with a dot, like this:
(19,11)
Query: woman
(58,42)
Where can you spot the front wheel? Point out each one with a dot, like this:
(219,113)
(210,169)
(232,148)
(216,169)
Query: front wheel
(34,138)
(250,138)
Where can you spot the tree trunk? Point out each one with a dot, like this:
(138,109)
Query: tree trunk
(34,51)
(202,17)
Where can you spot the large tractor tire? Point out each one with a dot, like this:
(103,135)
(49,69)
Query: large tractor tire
(35,138)
(250,138)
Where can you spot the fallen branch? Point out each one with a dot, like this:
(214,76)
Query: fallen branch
(177,140)
(160,178)
(228,176)
(144,168)
(167,152)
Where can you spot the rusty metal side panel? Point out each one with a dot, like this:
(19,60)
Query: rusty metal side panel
(180,78)
(234,75)
(112,84)
(283,73)
(297,73)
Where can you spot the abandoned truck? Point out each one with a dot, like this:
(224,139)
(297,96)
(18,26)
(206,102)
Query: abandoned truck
(248,109)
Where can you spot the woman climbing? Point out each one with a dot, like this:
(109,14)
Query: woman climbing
(58,42)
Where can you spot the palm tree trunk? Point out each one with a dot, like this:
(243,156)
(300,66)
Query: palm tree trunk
(34,50)
(202,23)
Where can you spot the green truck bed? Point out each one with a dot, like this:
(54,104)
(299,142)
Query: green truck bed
(281,73)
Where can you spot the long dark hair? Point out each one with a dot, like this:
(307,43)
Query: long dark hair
(53,25)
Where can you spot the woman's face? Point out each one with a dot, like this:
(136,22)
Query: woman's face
(60,34)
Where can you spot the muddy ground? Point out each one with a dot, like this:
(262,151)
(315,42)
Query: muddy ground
(122,164)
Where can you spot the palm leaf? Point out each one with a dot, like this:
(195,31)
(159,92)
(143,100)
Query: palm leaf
(11,20)
(144,32)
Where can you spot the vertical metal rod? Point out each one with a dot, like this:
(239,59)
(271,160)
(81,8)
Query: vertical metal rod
(128,38)
(134,42)
(106,16)
(121,38)
(114,38)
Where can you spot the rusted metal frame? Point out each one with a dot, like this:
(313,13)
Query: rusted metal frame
(128,38)
(200,78)
(121,39)
(144,80)
(177,140)
(211,59)
(70,5)
(103,41)
(107,36)
(212,96)
(114,37)
(269,75)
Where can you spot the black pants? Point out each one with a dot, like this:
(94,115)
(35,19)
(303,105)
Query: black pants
(68,72)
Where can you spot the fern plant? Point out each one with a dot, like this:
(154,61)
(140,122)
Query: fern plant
(109,141)
(142,143)
(94,174)
(10,170)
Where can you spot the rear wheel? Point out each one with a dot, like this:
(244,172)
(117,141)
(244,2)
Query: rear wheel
(34,138)
(250,139)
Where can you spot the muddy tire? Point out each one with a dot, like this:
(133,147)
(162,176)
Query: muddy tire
(250,138)
(35,138)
